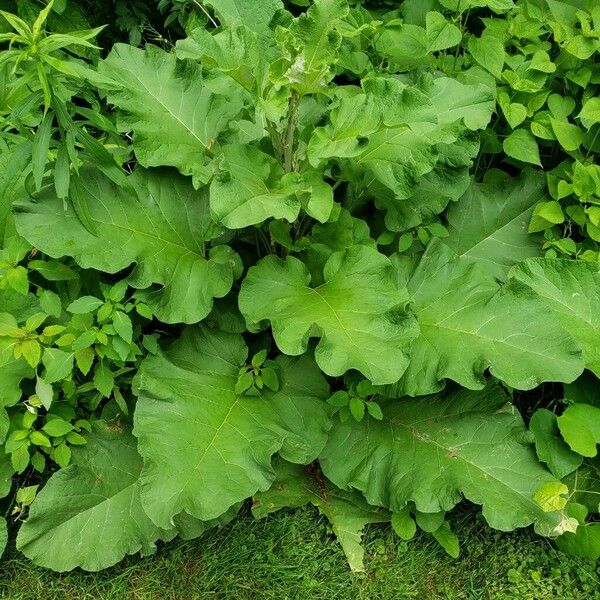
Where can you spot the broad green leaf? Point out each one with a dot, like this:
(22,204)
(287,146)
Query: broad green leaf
(58,363)
(254,14)
(164,229)
(175,118)
(252,187)
(205,447)
(89,514)
(584,390)
(550,446)
(391,130)
(347,512)
(13,165)
(441,34)
(521,144)
(435,452)
(585,542)
(469,323)
(488,51)
(590,113)
(309,47)
(359,312)
(12,372)
(580,427)
(233,51)
(489,223)
(569,136)
(571,289)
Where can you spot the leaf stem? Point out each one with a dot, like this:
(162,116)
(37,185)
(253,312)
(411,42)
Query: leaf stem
(288,140)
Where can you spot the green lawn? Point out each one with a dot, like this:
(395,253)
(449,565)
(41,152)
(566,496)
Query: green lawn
(293,556)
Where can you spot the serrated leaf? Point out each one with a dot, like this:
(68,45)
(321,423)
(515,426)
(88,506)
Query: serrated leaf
(189,419)
(347,512)
(470,323)
(175,118)
(433,453)
(488,51)
(489,223)
(103,520)
(571,289)
(58,363)
(164,229)
(441,34)
(359,312)
(521,144)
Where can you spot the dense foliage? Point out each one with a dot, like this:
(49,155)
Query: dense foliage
(333,253)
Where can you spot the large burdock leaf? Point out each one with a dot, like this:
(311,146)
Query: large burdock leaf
(205,447)
(470,323)
(580,427)
(254,14)
(252,187)
(394,133)
(164,229)
(434,452)
(358,312)
(571,289)
(176,120)
(347,511)
(89,514)
(489,223)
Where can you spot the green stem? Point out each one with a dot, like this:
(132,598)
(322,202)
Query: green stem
(288,140)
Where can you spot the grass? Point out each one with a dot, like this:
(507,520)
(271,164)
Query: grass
(292,556)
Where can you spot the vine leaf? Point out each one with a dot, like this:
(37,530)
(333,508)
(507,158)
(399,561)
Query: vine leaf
(434,452)
(205,447)
(164,228)
(358,312)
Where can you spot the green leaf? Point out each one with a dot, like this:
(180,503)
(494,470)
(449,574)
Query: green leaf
(489,223)
(569,136)
(391,130)
(590,112)
(584,542)
(104,379)
(253,187)
(470,323)
(580,427)
(104,519)
(58,363)
(50,303)
(447,539)
(441,34)
(44,392)
(14,161)
(57,427)
(359,312)
(550,446)
(12,372)
(488,51)
(357,408)
(123,326)
(404,525)
(255,14)
(521,144)
(189,419)
(84,305)
(175,118)
(435,452)
(39,149)
(347,512)
(550,496)
(163,229)
(571,289)
(310,47)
